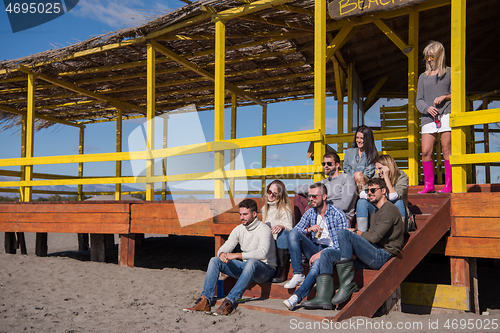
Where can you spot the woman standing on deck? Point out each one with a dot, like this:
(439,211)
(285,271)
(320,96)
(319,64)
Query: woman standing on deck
(360,160)
(433,101)
(277,214)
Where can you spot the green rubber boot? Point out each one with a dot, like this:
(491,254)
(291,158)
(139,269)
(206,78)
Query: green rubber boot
(324,292)
(345,270)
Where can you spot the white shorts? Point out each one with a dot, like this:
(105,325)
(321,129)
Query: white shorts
(431,127)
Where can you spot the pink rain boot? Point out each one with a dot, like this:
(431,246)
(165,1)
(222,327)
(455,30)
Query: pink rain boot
(447,185)
(428,177)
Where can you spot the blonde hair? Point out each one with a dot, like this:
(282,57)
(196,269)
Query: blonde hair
(282,200)
(436,49)
(389,162)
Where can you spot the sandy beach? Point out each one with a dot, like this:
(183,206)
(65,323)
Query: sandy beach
(65,292)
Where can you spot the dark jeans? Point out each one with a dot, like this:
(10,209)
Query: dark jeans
(371,255)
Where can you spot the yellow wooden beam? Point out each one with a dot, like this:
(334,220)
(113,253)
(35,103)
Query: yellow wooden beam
(413,114)
(30,136)
(319,82)
(279,23)
(232,156)
(150,124)
(72,87)
(246,9)
(475,118)
(264,149)
(340,39)
(203,72)
(464,159)
(57,121)
(391,34)
(373,93)
(435,295)
(220,80)
(81,151)
(458,97)
(119,140)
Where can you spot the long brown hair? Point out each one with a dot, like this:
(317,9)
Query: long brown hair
(282,200)
(389,162)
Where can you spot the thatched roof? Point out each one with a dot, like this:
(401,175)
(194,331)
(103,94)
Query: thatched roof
(269,53)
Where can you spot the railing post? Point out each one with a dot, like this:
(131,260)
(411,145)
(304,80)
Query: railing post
(118,187)
(319,83)
(413,130)
(458,98)
(150,128)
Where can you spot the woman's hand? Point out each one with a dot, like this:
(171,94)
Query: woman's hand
(385,170)
(277,229)
(432,110)
(439,100)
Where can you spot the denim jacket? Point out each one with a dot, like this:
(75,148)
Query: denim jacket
(353,163)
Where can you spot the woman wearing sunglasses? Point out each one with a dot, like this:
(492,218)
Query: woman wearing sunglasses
(397,186)
(433,101)
(277,214)
(360,160)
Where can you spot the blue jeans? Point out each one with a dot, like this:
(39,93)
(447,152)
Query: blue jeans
(298,243)
(327,255)
(252,270)
(365,208)
(328,259)
(282,240)
(371,255)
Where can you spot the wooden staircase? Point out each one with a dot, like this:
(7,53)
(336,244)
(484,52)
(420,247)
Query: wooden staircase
(432,224)
(432,216)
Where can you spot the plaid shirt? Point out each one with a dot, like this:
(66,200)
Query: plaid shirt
(335,220)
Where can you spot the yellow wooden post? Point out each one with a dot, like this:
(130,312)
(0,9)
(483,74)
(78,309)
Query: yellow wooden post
(150,118)
(23,154)
(80,165)
(350,96)
(458,98)
(319,83)
(118,187)
(339,85)
(264,150)
(413,130)
(164,164)
(220,53)
(232,163)
(30,132)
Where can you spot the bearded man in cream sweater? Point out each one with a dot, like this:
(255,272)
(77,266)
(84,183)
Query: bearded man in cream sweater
(256,262)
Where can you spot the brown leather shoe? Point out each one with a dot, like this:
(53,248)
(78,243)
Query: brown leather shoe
(225,308)
(201,304)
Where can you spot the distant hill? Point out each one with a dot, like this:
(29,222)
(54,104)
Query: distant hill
(65,188)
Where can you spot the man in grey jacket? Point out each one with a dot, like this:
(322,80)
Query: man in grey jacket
(256,262)
(342,190)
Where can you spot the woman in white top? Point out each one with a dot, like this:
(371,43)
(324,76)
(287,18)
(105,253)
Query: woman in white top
(277,213)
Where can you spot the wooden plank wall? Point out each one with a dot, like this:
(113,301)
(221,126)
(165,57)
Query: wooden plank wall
(475,225)
(88,217)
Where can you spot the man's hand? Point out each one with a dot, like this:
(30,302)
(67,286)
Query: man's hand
(315,257)
(223,257)
(277,229)
(314,228)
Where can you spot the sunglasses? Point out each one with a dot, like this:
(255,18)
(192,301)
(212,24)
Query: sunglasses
(429,57)
(272,193)
(314,196)
(327,163)
(372,190)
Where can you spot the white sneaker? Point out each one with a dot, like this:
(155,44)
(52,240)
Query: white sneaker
(291,303)
(296,280)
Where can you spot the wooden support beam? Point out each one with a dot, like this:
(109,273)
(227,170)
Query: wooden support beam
(320,59)
(392,35)
(150,125)
(279,23)
(195,68)
(220,82)
(340,39)
(370,99)
(246,9)
(54,120)
(126,250)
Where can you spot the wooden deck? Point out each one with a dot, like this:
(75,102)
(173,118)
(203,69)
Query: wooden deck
(471,219)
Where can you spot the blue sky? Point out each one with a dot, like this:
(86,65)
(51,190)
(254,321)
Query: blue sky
(90,18)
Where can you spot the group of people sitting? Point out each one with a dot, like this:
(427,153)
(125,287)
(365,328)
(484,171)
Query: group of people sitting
(323,213)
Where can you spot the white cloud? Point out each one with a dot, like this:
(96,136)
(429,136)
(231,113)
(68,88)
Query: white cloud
(275,157)
(118,14)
